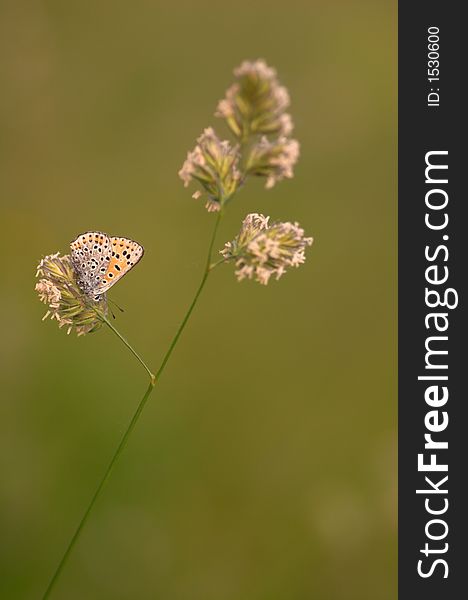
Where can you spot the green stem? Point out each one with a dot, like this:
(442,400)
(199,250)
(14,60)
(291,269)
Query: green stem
(220,262)
(195,298)
(117,453)
(129,346)
(153,380)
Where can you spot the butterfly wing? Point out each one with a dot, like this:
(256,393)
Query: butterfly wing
(124,255)
(91,256)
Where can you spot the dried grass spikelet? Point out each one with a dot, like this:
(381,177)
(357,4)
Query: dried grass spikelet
(274,160)
(256,103)
(262,250)
(67,303)
(214,164)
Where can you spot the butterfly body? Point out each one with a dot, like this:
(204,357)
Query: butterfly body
(100,260)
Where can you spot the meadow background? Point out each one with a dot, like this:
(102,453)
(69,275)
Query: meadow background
(264,467)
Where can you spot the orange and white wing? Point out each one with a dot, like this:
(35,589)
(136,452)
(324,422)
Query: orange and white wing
(124,255)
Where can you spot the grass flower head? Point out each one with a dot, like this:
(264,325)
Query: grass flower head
(256,103)
(274,160)
(66,302)
(262,250)
(214,164)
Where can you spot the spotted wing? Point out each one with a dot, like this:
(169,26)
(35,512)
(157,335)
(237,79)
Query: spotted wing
(123,256)
(91,256)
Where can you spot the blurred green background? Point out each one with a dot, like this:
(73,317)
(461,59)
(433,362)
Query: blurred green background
(264,467)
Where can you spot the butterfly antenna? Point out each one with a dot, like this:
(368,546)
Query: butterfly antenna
(115,304)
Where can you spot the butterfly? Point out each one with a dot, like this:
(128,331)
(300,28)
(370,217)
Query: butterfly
(100,260)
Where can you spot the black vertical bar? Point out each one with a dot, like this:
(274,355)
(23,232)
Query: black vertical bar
(426,127)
